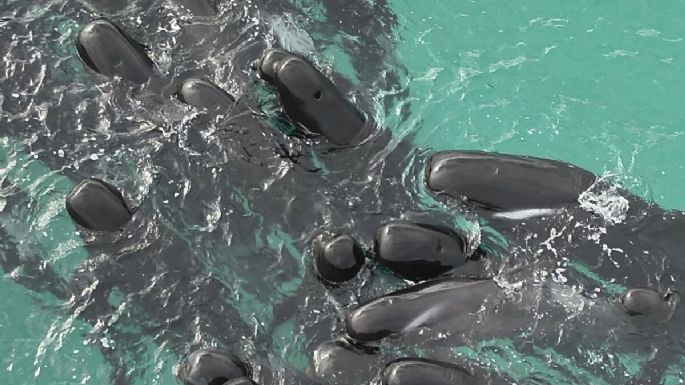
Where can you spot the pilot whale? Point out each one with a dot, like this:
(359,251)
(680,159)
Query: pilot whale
(277,180)
(436,179)
(116,255)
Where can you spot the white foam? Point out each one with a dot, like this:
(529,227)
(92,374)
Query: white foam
(606,202)
(526,214)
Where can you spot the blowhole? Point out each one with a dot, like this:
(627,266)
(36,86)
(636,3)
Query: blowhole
(317,95)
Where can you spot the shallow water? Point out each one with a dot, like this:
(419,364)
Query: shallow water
(218,254)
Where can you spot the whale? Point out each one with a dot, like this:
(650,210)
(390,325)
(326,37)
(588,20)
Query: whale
(418,251)
(110,271)
(460,304)
(202,93)
(97,205)
(351,190)
(502,182)
(422,371)
(338,258)
(310,99)
(106,49)
(417,322)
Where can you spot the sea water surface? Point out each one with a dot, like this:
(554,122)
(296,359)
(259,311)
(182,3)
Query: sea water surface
(597,84)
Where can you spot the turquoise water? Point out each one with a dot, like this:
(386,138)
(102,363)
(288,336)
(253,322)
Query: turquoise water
(594,84)
(597,84)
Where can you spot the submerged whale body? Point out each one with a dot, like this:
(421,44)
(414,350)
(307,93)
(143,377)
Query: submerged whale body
(211,367)
(419,371)
(492,181)
(310,99)
(107,49)
(418,251)
(97,205)
(202,93)
(501,182)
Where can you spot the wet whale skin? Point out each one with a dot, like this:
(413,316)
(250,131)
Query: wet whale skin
(506,182)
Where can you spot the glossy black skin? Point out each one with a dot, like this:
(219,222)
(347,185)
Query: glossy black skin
(97,205)
(645,302)
(417,371)
(501,182)
(130,270)
(311,100)
(297,219)
(338,259)
(418,251)
(341,363)
(270,59)
(211,367)
(201,93)
(423,305)
(107,49)
(183,290)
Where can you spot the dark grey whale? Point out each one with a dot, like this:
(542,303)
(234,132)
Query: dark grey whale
(378,202)
(97,205)
(309,99)
(211,367)
(107,49)
(506,183)
(201,93)
(423,305)
(338,258)
(418,251)
(177,250)
(460,303)
(425,372)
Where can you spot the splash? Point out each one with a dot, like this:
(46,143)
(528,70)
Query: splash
(605,201)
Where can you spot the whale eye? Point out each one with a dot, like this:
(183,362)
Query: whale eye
(317,95)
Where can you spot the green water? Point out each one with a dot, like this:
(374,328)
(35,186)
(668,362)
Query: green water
(597,84)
